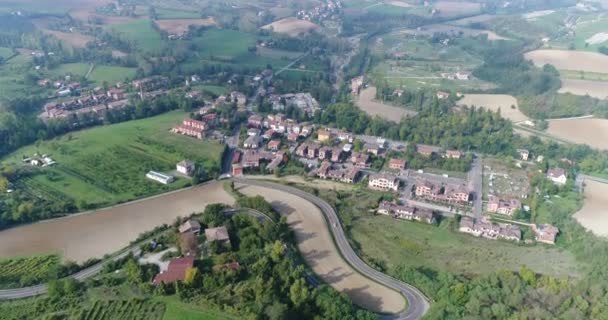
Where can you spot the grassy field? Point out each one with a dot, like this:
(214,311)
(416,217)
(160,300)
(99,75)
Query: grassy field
(106,165)
(76,69)
(167,13)
(177,310)
(141,32)
(5,52)
(421,245)
(19,272)
(12,76)
(216,90)
(111,74)
(582,75)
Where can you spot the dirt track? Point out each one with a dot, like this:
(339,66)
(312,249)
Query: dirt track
(594,213)
(316,246)
(85,236)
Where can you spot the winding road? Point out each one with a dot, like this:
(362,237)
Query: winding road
(417,304)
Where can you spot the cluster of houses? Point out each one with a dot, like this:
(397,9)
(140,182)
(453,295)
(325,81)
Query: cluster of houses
(302,100)
(460,75)
(485,228)
(320,12)
(442,192)
(189,244)
(406,212)
(39,160)
(98,101)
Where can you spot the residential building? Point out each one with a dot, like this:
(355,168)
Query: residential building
(463,75)
(467,225)
(453,154)
(441,95)
(336,154)
(190,225)
(274,145)
(293,136)
(255,121)
(509,232)
(427,150)
(324,153)
(159,177)
(302,150)
(355,85)
(186,167)
(384,182)
(524,154)
(500,206)
(252,142)
(219,234)
(485,228)
(192,128)
(251,159)
(424,215)
(176,271)
(360,160)
(253,132)
(397,164)
(237,170)
(557,175)
(545,233)
(324,135)
(372,149)
(324,169)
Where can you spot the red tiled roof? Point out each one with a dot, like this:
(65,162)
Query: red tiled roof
(175,272)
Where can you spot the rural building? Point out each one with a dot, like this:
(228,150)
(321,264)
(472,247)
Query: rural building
(157,176)
(557,175)
(252,142)
(453,154)
(524,154)
(324,135)
(398,164)
(360,160)
(251,159)
(463,75)
(488,230)
(217,234)
(253,132)
(175,272)
(406,212)
(186,167)
(192,128)
(336,154)
(190,226)
(441,95)
(324,153)
(237,170)
(500,206)
(384,182)
(373,149)
(255,121)
(545,233)
(427,150)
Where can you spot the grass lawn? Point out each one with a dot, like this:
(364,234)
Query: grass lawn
(216,90)
(106,165)
(111,74)
(12,74)
(226,44)
(166,13)
(76,69)
(141,32)
(5,52)
(177,310)
(420,245)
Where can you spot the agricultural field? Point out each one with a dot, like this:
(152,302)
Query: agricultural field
(167,13)
(74,39)
(26,271)
(570,60)
(454,30)
(180,26)
(124,309)
(141,32)
(111,162)
(505,103)
(439,248)
(590,131)
(596,89)
(177,310)
(74,69)
(367,102)
(292,27)
(594,213)
(110,74)
(12,76)
(591,32)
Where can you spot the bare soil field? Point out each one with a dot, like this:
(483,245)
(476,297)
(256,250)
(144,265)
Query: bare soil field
(570,60)
(456,8)
(180,26)
(596,89)
(591,131)
(94,234)
(450,29)
(292,26)
(84,14)
(316,246)
(367,102)
(494,102)
(77,40)
(594,213)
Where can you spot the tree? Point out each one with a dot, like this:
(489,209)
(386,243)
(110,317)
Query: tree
(277,251)
(192,276)
(299,292)
(3,184)
(133,271)
(276,311)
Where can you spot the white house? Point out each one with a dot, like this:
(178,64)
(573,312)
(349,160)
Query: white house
(186,167)
(557,175)
(383,182)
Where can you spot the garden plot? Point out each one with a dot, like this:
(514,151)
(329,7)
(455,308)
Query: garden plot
(504,181)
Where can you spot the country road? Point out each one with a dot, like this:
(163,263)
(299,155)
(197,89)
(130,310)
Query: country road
(417,303)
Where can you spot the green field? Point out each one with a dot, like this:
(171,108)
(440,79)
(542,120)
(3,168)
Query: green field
(166,13)
(142,33)
(420,245)
(216,90)
(5,52)
(76,69)
(177,310)
(20,272)
(12,74)
(106,165)
(227,44)
(111,74)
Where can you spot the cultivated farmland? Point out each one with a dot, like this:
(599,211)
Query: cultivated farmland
(596,89)
(315,244)
(180,26)
(457,8)
(292,26)
(125,309)
(505,103)
(367,102)
(570,60)
(594,213)
(591,131)
(19,272)
(142,33)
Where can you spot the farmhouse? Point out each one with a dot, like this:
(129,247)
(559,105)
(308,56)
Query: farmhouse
(463,75)
(255,121)
(186,167)
(175,272)
(545,233)
(384,182)
(441,95)
(500,206)
(453,154)
(398,164)
(557,175)
(219,234)
(157,176)
(190,226)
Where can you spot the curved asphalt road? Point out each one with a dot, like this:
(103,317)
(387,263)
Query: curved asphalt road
(417,302)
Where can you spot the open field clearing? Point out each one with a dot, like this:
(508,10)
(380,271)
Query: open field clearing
(594,213)
(591,131)
(316,246)
(457,8)
(570,60)
(596,89)
(178,310)
(5,52)
(91,235)
(421,245)
(277,53)
(582,75)
(166,13)
(180,26)
(495,102)
(106,165)
(367,102)
(451,29)
(111,74)
(537,14)
(292,26)
(74,39)
(464,22)
(141,32)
